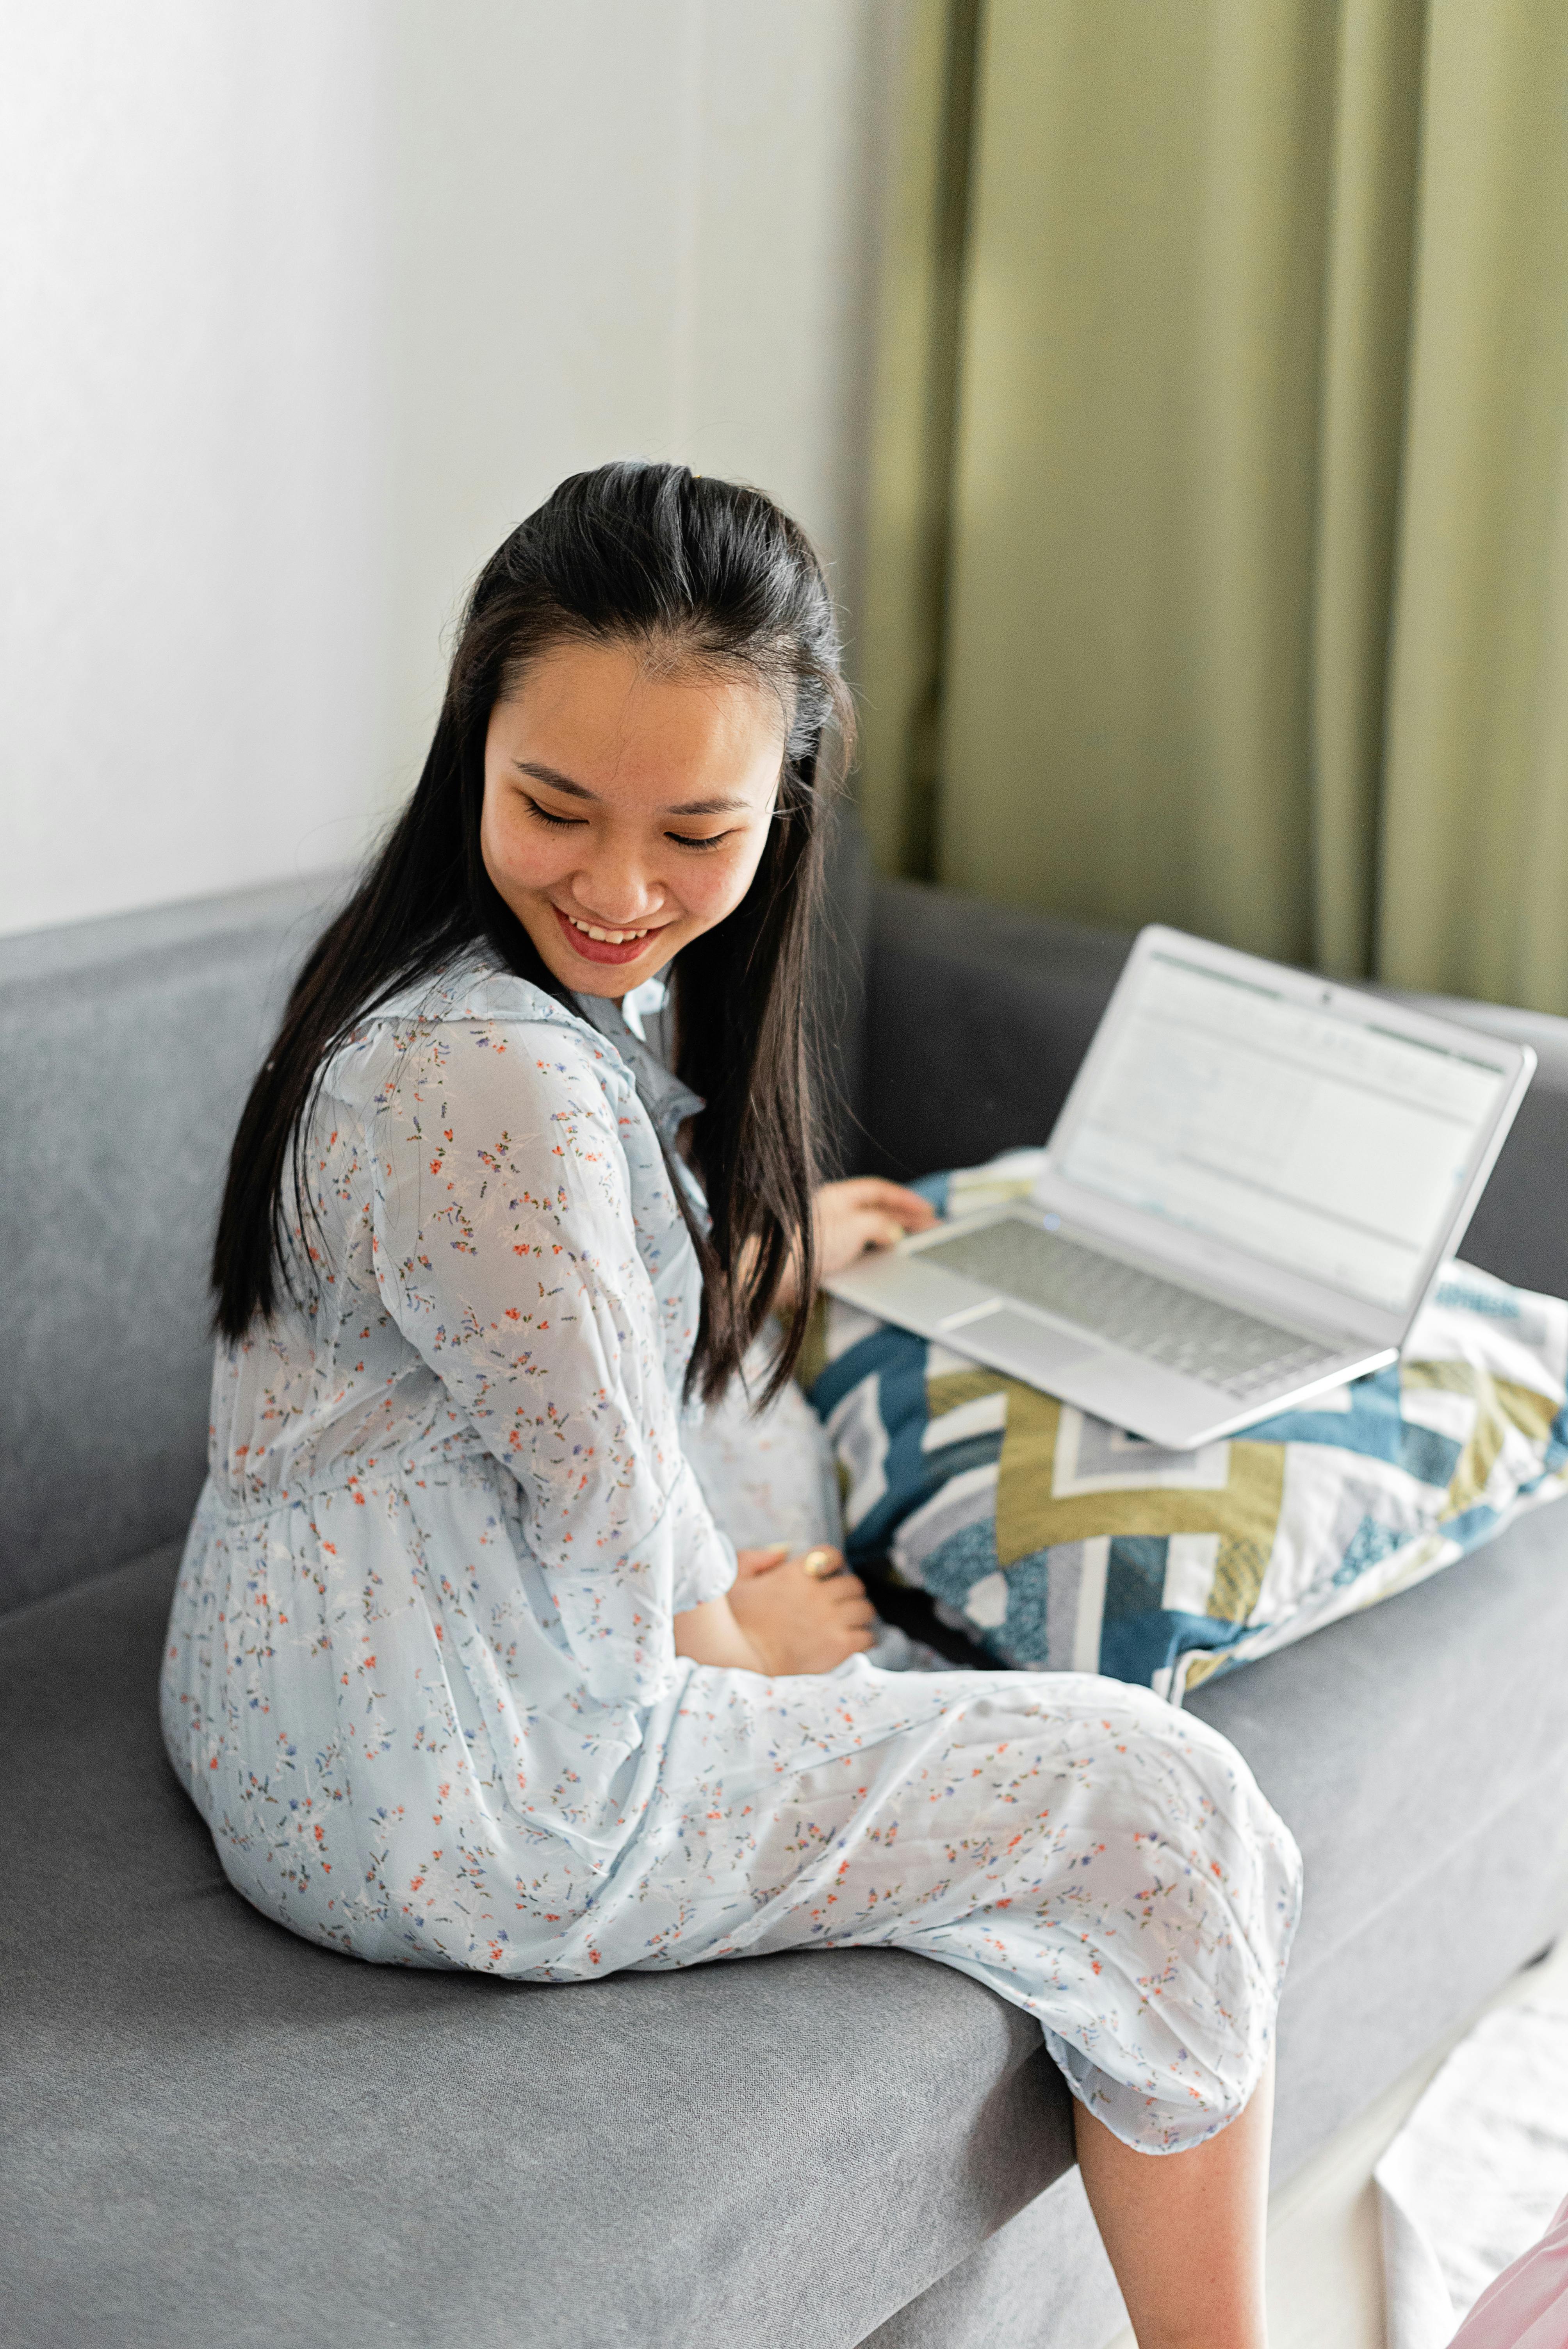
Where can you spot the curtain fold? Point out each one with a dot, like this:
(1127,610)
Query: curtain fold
(1366,315)
(1252,605)
(1474,863)
(909,517)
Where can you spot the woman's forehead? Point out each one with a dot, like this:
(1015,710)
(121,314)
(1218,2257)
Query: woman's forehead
(605,722)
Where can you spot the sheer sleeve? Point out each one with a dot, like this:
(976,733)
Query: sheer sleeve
(506,1237)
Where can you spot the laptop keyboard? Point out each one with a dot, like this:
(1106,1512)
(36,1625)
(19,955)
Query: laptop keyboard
(1157,1318)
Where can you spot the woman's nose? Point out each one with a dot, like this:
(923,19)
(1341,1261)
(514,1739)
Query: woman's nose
(618,888)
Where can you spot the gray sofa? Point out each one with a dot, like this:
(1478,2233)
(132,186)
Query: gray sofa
(214,2135)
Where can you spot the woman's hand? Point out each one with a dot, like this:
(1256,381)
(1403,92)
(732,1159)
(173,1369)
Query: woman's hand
(778,1618)
(801,1621)
(854,1217)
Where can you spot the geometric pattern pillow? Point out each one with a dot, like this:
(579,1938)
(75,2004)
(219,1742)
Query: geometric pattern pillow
(1059,1543)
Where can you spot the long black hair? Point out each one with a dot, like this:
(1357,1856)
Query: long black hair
(699,570)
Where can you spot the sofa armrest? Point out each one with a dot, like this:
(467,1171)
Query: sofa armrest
(977,1016)
(976,1019)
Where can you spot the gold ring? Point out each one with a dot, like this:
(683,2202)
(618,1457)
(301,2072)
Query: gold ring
(820,1564)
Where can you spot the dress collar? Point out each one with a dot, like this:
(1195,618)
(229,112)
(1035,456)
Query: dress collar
(638,1029)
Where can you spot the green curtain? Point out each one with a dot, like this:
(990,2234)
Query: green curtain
(1219,510)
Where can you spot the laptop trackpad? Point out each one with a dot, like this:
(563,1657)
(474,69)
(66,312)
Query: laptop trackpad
(1017,1344)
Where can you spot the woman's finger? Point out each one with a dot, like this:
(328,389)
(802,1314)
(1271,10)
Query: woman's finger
(909,1209)
(748,1562)
(873,1228)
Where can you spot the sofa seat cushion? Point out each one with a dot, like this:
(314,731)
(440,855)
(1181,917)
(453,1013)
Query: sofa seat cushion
(213,2132)
(210,2132)
(1420,1752)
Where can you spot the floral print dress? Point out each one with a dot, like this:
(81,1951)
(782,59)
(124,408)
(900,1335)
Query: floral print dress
(420,1676)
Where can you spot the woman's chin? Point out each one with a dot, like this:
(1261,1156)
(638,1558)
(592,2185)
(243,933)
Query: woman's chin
(591,980)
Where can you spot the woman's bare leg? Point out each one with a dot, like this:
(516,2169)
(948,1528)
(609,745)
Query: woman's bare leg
(1185,2231)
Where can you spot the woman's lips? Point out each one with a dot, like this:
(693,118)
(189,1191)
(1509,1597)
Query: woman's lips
(604,949)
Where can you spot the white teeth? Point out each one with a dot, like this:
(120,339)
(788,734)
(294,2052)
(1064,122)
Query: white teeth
(606,938)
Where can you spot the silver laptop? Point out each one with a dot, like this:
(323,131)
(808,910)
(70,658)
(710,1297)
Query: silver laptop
(1243,1202)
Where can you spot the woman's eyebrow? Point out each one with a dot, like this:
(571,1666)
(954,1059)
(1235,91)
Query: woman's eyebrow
(556,781)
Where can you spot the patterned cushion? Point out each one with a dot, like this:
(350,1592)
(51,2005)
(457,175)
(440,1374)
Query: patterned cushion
(1059,1543)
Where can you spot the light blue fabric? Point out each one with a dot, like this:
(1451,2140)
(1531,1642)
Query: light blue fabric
(626,1024)
(420,1673)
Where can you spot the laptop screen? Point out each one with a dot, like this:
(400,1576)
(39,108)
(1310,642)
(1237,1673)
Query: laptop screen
(1311,1136)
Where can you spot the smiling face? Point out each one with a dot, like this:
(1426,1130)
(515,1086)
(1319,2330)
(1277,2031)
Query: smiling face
(626,807)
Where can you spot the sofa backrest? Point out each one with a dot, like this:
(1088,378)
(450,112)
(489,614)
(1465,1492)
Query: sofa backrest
(126,1048)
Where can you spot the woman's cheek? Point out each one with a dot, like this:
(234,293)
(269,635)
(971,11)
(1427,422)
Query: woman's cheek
(725,888)
(506,849)
(534,859)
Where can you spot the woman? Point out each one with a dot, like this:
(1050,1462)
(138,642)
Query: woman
(463,1669)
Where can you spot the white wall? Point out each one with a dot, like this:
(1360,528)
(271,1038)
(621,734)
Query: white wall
(624,228)
(305,306)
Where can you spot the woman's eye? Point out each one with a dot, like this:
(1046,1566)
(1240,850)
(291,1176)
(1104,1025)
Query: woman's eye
(556,822)
(685,840)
